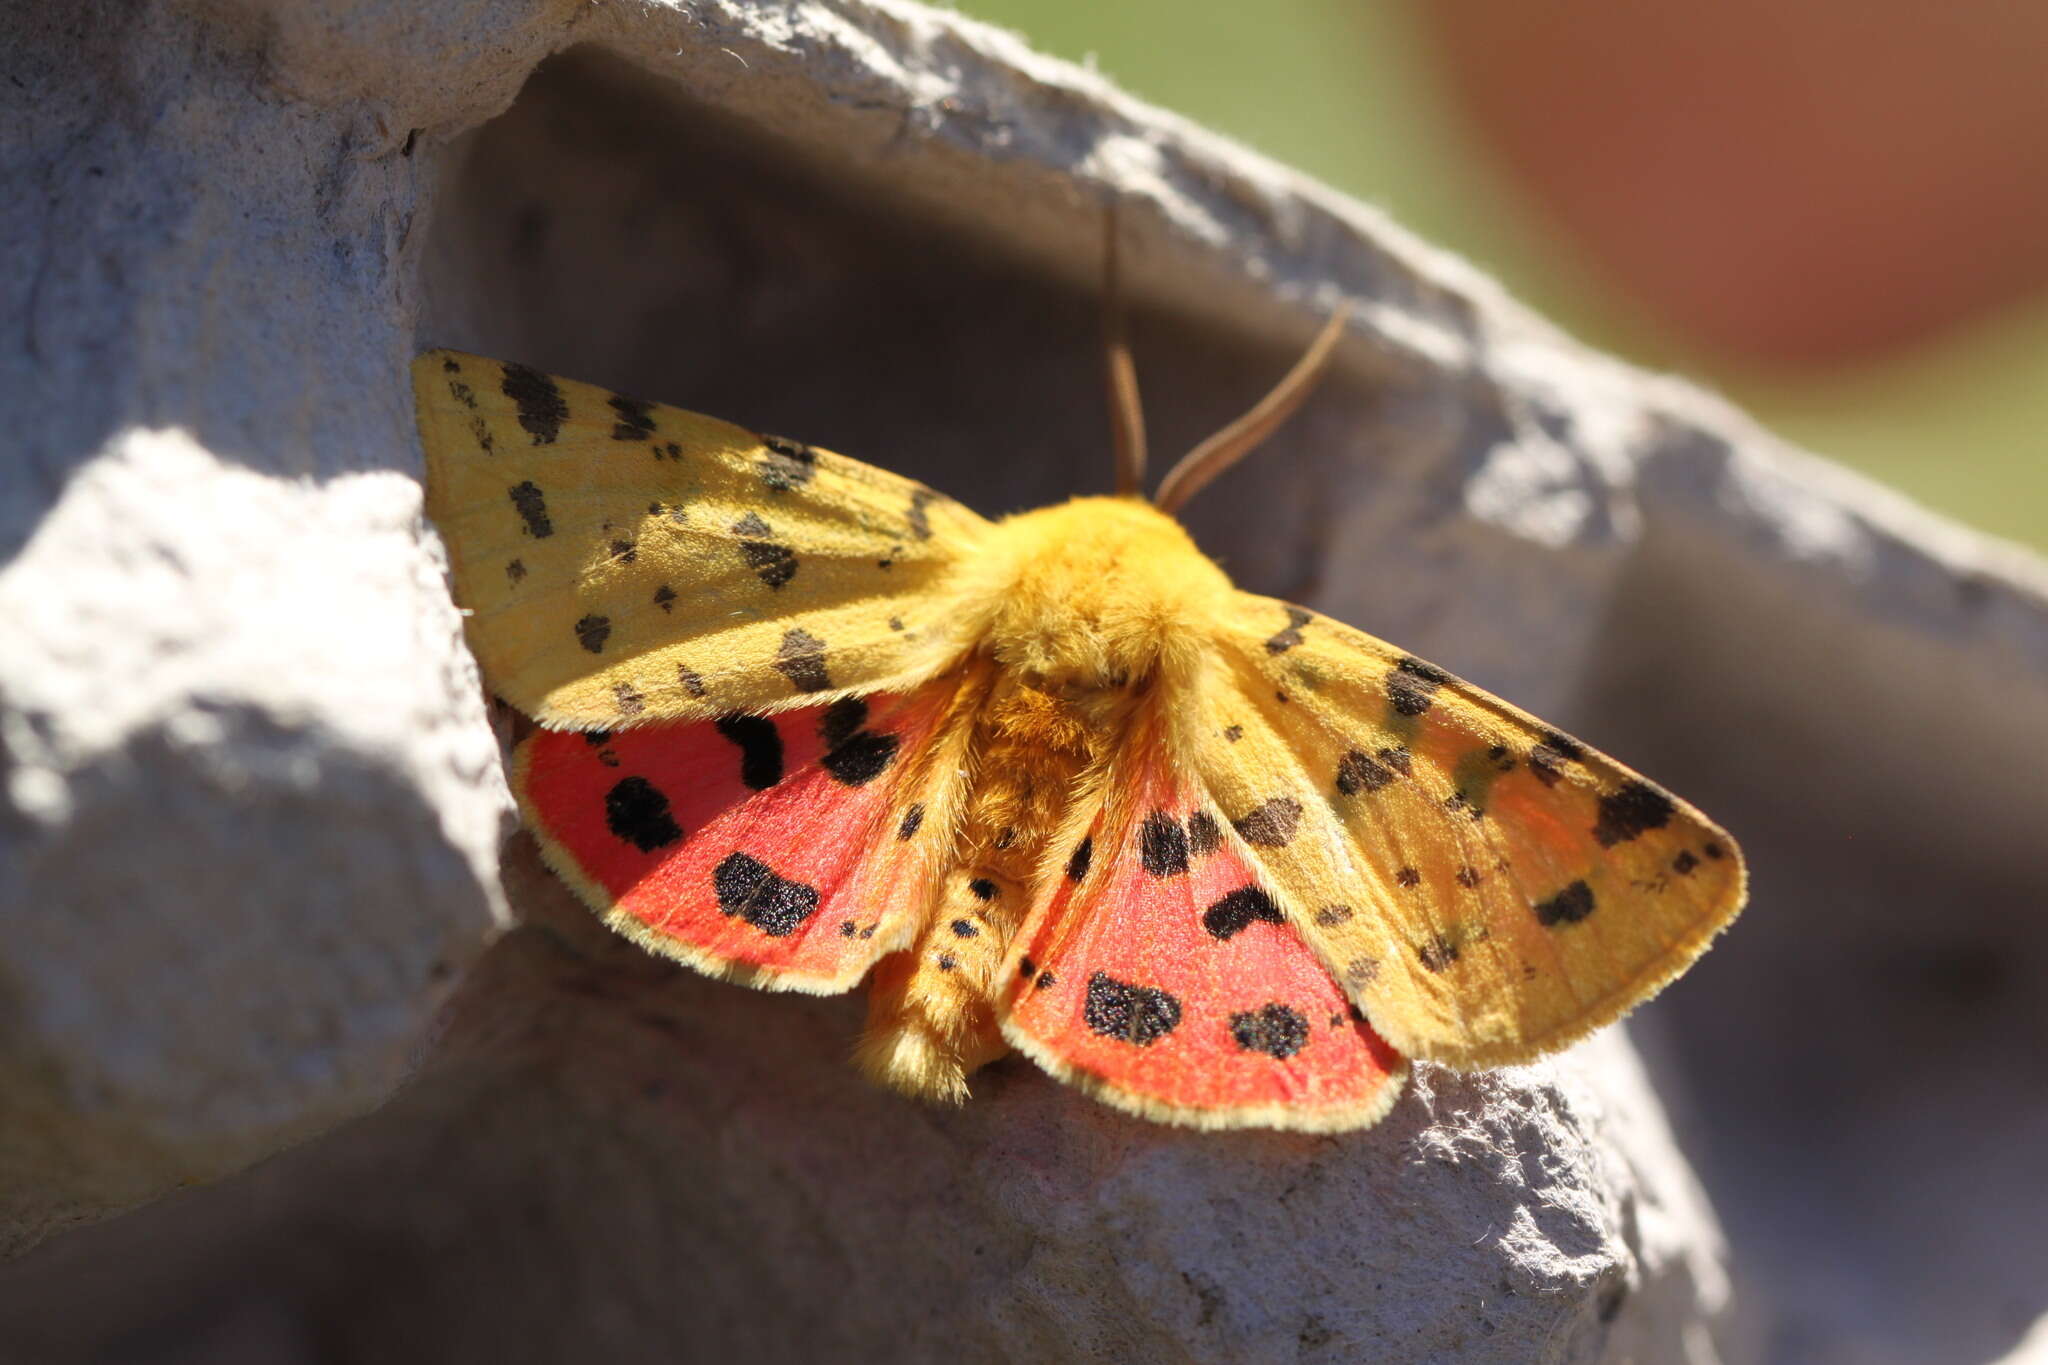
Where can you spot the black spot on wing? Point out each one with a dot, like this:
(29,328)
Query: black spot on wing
(665,597)
(1330,916)
(1273,1029)
(983,889)
(515,571)
(912,818)
(1684,863)
(1272,823)
(842,721)
(691,681)
(1631,811)
(542,409)
(532,506)
(1408,877)
(1549,755)
(1359,771)
(1289,637)
(1412,685)
(920,521)
(965,928)
(854,756)
(749,888)
(1205,836)
(772,562)
(592,631)
(1437,953)
(801,659)
(1235,912)
(1077,864)
(629,702)
(760,746)
(1133,1014)
(636,420)
(788,464)
(1163,845)
(637,812)
(1568,906)
(861,759)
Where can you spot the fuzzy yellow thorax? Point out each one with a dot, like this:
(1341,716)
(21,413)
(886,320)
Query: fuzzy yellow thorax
(1095,593)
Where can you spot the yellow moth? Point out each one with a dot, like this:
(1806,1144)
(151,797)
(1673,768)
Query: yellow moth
(1048,783)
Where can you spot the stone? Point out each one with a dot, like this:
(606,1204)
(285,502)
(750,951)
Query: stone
(251,802)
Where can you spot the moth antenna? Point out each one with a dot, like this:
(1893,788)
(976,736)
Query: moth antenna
(1237,440)
(1126,410)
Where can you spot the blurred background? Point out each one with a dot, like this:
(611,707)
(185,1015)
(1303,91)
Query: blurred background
(1833,211)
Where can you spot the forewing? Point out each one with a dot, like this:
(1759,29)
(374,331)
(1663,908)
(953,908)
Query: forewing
(1156,973)
(1486,887)
(786,851)
(624,562)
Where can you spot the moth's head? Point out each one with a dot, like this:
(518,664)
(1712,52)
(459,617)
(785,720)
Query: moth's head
(1096,592)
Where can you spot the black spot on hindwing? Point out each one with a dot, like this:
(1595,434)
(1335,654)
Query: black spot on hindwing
(853,755)
(749,888)
(760,746)
(1163,845)
(1205,836)
(1084,853)
(842,721)
(1273,1029)
(637,812)
(912,818)
(592,631)
(861,759)
(1134,1014)
(1235,912)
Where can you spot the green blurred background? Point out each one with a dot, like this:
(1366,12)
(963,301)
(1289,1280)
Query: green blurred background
(1348,90)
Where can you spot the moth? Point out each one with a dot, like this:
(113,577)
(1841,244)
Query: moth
(1049,783)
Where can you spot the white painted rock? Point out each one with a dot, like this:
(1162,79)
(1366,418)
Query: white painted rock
(251,800)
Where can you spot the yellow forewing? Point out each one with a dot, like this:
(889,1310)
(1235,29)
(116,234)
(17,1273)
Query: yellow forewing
(1485,888)
(626,562)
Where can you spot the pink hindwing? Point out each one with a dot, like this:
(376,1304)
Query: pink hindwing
(783,850)
(1160,976)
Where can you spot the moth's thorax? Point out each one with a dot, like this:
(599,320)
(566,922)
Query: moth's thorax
(1096,592)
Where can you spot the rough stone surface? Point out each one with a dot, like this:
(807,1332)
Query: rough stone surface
(251,800)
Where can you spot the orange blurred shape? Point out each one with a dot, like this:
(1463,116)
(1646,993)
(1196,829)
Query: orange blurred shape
(1800,183)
